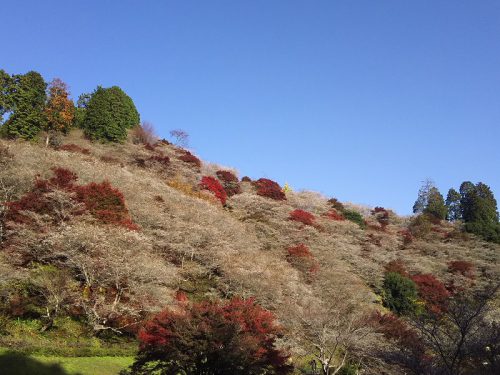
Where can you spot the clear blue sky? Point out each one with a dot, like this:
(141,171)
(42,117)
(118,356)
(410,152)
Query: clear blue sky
(361,100)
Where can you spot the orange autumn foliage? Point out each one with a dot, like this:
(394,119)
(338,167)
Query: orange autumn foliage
(60,110)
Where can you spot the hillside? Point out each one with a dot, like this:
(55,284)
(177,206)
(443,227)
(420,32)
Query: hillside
(84,280)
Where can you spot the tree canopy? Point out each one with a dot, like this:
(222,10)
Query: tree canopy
(60,110)
(25,98)
(430,201)
(453,205)
(479,211)
(236,337)
(5,98)
(435,204)
(109,113)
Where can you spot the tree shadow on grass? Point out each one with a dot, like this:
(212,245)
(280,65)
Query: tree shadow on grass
(19,364)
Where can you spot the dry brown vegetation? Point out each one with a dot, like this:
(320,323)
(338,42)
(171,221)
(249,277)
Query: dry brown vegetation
(187,241)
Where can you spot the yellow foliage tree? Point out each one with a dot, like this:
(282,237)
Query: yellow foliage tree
(60,110)
(287,189)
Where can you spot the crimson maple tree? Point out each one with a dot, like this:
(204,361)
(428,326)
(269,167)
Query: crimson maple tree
(219,338)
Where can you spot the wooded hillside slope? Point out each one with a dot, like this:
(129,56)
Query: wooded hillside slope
(109,234)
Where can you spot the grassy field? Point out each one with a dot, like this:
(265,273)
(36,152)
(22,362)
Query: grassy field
(90,365)
(19,364)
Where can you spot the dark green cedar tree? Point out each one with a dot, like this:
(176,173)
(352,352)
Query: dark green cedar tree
(453,205)
(109,114)
(435,204)
(26,100)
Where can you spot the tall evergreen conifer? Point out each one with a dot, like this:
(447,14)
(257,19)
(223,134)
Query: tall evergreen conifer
(109,113)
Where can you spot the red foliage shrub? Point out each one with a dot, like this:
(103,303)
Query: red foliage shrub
(213,185)
(70,147)
(396,266)
(462,267)
(432,291)
(382,216)
(101,200)
(209,336)
(63,178)
(180,296)
(301,258)
(163,160)
(36,200)
(407,236)
(188,157)
(230,182)
(396,329)
(270,189)
(105,203)
(302,216)
(299,251)
(226,176)
(334,215)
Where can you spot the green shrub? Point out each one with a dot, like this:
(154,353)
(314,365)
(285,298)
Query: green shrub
(355,217)
(349,369)
(399,293)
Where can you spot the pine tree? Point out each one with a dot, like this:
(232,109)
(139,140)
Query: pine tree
(467,192)
(435,204)
(110,112)
(453,205)
(27,103)
(5,97)
(479,211)
(423,196)
(430,201)
(81,109)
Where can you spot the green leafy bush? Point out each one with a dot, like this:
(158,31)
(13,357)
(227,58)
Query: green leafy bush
(355,217)
(399,293)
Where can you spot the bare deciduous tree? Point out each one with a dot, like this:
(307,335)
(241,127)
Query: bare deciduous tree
(335,330)
(145,134)
(56,287)
(181,137)
(459,338)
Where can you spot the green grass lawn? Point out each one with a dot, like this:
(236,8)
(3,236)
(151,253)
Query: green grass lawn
(19,364)
(67,349)
(90,365)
